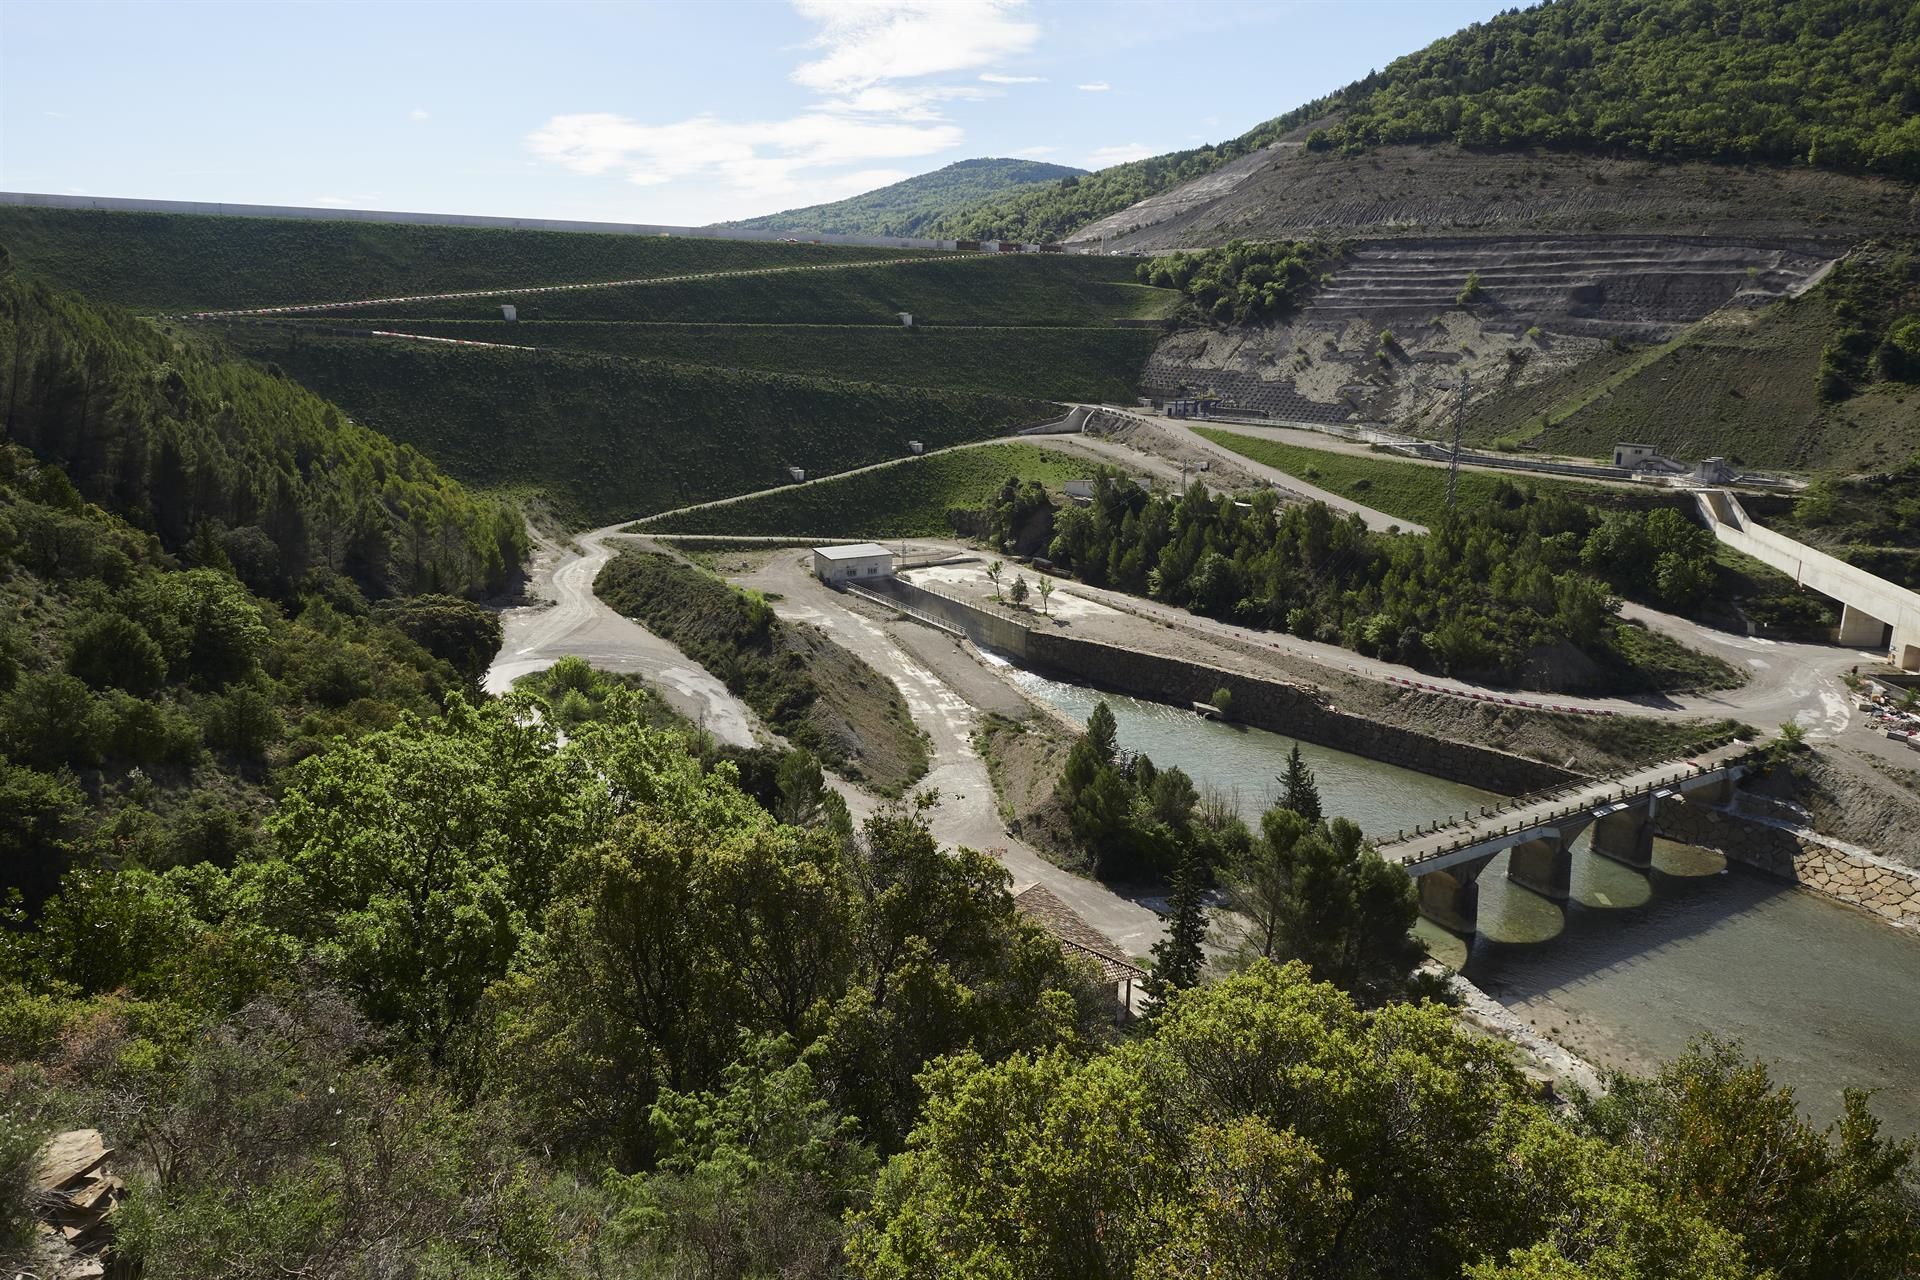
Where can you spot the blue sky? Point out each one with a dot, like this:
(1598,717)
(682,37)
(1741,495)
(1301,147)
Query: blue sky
(660,112)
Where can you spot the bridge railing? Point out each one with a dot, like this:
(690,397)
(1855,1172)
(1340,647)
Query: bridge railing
(1474,833)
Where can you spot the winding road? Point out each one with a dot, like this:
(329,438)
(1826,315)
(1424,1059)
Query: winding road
(570,620)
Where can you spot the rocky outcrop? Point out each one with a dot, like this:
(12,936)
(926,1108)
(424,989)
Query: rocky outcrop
(1387,333)
(74,1196)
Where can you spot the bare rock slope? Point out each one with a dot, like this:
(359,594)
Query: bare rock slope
(1289,192)
(1397,321)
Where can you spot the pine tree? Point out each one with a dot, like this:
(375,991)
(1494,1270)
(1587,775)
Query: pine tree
(1177,958)
(1103,732)
(1300,792)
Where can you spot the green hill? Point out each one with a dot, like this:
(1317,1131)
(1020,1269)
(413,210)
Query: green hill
(165,261)
(201,449)
(647,396)
(1820,82)
(607,438)
(906,499)
(908,208)
(1017,289)
(1066,363)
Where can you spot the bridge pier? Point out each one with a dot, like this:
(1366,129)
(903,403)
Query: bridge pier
(1543,864)
(1860,629)
(1450,896)
(1625,835)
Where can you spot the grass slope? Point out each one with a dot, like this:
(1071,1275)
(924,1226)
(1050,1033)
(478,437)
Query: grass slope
(608,438)
(1018,289)
(1075,364)
(909,208)
(807,687)
(166,260)
(905,499)
(1408,489)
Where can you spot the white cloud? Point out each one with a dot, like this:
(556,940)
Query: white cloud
(915,103)
(1036,151)
(765,157)
(330,202)
(1101,157)
(864,42)
(417,114)
(995,77)
(877,75)
(1096,86)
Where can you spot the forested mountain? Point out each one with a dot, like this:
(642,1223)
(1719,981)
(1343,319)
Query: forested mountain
(1832,83)
(908,208)
(198,447)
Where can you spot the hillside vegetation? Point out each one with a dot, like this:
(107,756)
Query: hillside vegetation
(1827,83)
(1017,289)
(171,261)
(905,499)
(1412,490)
(821,697)
(150,702)
(911,207)
(212,452)
(606,438)
(1830,83)
(1066,363)
(1821,381)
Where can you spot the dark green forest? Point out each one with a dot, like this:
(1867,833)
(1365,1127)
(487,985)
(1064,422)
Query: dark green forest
(913,207)
(1830,83)
(1518,592)
(1240,283)
(1833,83)
(198,447)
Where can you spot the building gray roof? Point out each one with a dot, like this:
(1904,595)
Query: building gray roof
(853,551)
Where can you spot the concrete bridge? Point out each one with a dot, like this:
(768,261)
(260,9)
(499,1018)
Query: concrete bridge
(1537,833)
(1875,614)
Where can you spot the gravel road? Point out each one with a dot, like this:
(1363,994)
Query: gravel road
(570,619)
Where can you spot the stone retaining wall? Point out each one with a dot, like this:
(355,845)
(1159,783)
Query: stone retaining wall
(1292,709)
(1833,868)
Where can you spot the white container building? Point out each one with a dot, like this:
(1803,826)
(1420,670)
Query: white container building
(855,562)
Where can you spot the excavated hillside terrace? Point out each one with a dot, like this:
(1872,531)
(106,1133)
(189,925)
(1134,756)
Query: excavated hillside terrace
(1287,192)
(1385,336)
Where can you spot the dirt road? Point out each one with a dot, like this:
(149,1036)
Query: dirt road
(966,815)
(571,620)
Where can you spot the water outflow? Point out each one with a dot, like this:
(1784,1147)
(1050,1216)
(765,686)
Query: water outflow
(1246,763)
(1637,964)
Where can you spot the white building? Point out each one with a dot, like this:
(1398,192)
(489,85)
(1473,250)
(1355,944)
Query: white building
(859,561)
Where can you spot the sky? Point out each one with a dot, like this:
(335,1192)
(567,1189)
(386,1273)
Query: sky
(664,112)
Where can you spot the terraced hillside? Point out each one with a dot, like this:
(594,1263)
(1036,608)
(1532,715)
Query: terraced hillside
(165,261)
(1077,363)
(1396,323)
(605,438)
(663,372)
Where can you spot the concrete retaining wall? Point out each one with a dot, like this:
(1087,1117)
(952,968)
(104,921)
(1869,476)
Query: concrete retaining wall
(1832,868)
(1265,704)
(1854,587)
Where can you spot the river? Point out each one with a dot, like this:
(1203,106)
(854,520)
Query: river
(1636,964)
(1246,763)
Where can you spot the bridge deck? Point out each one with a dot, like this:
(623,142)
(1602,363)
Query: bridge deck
(1462,839)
